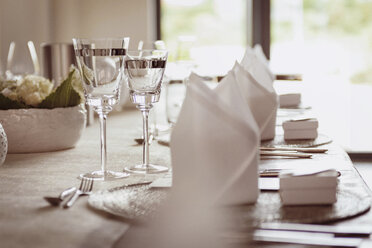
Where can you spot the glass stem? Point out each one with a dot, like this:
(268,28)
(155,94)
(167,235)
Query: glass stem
(146,153)
(102,121)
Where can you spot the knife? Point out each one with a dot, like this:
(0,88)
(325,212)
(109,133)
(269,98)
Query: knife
(305,238)
(286,154)
(346,231)
(305,149)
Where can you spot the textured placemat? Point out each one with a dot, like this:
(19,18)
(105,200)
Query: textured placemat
(142,202)
(133,202)
(280,141)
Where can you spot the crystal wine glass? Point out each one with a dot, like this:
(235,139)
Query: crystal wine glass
(144,70)
(156,126)
(101,65)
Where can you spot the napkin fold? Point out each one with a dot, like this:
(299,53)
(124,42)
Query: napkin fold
(254,61)
(258,51)
(214,146)
(260,96)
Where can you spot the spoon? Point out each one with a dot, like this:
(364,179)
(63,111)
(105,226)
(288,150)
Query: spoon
(55,201)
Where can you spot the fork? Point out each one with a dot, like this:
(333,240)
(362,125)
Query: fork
(85,188)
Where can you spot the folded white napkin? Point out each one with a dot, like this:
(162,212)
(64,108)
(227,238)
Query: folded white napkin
(253,61)
(214,146)
(261,98)
(258,51)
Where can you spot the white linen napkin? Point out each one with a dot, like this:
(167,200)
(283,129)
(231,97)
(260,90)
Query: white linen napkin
(258,51)
(261,97)
(254,63)
(214,146)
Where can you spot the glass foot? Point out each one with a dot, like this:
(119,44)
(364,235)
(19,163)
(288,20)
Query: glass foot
(104,175)
(149,169)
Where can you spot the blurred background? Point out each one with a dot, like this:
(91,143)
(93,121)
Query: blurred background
(328,42)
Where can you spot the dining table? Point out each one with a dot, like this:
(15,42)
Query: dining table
(27,220)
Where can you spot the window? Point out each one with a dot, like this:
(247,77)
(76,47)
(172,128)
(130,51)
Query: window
(330,43)
(212,33)
(326,37)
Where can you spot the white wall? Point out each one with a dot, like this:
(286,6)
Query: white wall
(21,21)
(61,20)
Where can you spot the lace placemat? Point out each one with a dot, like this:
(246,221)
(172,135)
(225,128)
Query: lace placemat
(143,202)
(280,141)
(132,202)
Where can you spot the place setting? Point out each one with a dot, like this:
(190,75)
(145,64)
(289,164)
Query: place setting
(235,120)
(142,200)
(187,123)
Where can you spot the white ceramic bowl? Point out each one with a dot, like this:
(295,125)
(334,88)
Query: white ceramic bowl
(42,130)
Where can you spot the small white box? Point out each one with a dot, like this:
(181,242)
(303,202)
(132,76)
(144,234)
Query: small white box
(289,100)
(300,134)
(319,196)
(310,123)
(309,180)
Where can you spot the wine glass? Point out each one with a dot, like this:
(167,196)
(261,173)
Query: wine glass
(101,65)
(144,70)
(157,126)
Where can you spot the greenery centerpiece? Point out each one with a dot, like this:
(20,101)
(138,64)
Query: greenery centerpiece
(38,117)
(32,91)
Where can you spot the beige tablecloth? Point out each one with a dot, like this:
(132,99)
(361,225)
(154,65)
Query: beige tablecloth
(26,220)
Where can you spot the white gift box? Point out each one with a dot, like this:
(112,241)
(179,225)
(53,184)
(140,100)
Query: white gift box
(309,188)
(319,196)
(300,134)
(310,123)
(289,100)
(301,129)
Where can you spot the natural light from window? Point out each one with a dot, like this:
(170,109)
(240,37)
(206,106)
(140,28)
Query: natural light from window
(325,37)
(210,33)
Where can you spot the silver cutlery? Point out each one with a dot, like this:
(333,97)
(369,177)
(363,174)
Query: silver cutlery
(85,188)
(359,231)
(304,150)
(305,238)
(286,154)
(55,201)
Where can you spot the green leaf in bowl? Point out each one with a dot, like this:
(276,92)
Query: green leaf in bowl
(64,96)
(6,103)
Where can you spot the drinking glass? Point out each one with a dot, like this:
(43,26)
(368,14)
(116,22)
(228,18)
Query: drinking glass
(101,65)
(157,126)
(144,70)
